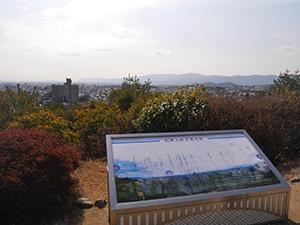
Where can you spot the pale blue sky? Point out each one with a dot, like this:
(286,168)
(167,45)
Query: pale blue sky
(44,40)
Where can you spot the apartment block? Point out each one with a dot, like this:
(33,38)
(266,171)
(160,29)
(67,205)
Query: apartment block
(67,92)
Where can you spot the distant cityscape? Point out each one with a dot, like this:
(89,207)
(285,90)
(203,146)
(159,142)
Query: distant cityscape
(73,93)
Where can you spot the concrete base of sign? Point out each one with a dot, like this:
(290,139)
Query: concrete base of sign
(254,208)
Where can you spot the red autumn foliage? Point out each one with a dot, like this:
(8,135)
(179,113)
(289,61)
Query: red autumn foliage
(35,174)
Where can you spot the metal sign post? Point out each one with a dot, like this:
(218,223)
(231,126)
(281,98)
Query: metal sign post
(211,177)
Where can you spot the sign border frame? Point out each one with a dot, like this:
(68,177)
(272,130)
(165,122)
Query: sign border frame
(114,205)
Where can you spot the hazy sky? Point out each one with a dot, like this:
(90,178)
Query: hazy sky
(44,40)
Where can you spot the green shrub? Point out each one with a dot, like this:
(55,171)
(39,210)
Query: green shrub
(272,121)
(176,112)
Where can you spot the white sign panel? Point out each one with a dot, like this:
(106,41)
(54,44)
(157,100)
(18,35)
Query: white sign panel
(158,167)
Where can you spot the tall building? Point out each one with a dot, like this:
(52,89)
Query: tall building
(65,93)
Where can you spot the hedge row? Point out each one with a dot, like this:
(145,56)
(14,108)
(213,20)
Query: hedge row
(272,121)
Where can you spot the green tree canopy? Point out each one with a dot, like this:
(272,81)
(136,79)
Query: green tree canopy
(179,111)
(131,90)
(287,82)
(16,104)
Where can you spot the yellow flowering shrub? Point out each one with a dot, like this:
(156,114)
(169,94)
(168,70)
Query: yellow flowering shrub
(48,121)
(92,116)
(93,121)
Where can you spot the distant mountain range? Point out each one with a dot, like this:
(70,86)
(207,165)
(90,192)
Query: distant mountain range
(192,78)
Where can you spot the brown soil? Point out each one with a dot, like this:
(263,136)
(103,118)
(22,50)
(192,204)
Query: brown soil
(93,182)
(290,170)
(92,176)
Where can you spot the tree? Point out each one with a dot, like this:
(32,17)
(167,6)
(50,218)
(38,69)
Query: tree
(5,112)
(16,104)
(287,82)
(131,90)
(21,101)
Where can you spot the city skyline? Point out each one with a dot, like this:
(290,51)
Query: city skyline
(50,40)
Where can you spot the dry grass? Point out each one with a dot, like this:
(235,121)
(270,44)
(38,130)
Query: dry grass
(93,178)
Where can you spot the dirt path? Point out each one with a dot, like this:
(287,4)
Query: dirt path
(93,181)
(290,170)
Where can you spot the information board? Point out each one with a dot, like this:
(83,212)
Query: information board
(149,167)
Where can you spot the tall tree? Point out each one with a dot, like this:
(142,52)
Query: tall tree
(287,82)
(15,104)
(131,90)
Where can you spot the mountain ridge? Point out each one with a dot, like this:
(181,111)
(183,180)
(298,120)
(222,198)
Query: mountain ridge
(191,78)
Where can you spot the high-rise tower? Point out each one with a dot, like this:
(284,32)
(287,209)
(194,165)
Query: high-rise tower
(65,93)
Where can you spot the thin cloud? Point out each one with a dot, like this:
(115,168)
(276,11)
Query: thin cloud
(281,1)
(274,2)
(148,35)
(122,31)
(77,24)
(281,36)
(160,52)
(22,7)
(289,50)
(9,48)
(104,49)
(70,54)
